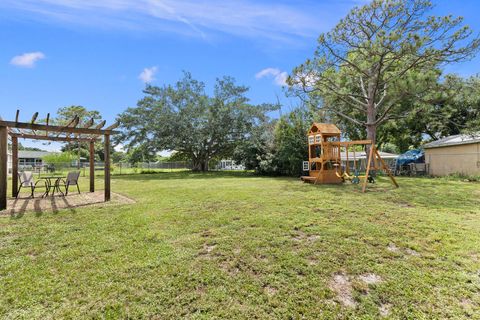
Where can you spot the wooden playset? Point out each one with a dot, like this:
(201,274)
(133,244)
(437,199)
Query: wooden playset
(325,158)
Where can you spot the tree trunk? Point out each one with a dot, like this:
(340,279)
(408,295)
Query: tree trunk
(195,165)
(371,125)
(199,165)
(372,133)
(371,110)
(204,165)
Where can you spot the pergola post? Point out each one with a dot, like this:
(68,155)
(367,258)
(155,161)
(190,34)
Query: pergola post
(14,166)
(92,166)
(107,167)
(3,167)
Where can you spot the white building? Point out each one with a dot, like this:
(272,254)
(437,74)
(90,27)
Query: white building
(230,165)
(360,157)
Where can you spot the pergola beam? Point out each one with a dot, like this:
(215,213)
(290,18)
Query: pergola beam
(113,126)
(51,138)
(100,125)
(34,117)
(61,129)
(89,123)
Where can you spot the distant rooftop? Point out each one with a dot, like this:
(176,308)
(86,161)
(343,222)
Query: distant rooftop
(33,154)
(363,155)
(454,140)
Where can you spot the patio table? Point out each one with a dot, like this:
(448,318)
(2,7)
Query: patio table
(53,182)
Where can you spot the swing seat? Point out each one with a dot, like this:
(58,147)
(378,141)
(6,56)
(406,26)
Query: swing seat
(347,176)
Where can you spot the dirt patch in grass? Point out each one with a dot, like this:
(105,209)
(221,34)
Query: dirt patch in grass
(300,236)
(343,289)
(344,285)
(230,268)
(393,248)
(407,251)
(370,278)
(412,252)
(312,261)
(270,291)
(405,205)
(207,250)
(209,247)
(385,309)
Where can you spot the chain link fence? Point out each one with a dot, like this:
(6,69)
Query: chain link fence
(121,168)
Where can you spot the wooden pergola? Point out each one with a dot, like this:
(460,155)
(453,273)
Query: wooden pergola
(89,132)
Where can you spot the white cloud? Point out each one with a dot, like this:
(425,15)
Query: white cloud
(27,60)
(279,77)
(202,18)
(148,74)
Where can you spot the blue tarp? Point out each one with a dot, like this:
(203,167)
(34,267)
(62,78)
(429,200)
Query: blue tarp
(411,156)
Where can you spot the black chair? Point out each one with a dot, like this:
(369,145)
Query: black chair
(26,180)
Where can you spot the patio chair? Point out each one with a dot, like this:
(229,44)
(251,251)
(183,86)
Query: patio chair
(71,180)
(25,180)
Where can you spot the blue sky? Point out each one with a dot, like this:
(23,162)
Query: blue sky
(99,54)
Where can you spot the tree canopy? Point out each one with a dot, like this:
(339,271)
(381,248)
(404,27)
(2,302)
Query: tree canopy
(379,56)
(65,115)
(184,118)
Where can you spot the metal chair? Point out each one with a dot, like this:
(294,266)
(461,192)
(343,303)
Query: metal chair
(71,180)
(25,180)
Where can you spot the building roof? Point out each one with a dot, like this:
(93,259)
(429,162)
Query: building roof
(359,155)
(33,154)
(324,128)
(454,140)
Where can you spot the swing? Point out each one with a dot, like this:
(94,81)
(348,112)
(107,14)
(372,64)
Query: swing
(356,178)
(356,175)
(341,176)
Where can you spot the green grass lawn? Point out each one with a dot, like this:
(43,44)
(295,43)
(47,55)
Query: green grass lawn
(238,246)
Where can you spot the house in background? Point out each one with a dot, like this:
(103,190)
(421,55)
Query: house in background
(360,157)
(454,154)
(31,158)
(227,164)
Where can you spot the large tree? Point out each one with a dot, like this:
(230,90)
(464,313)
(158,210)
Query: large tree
(377,56)
(182,117)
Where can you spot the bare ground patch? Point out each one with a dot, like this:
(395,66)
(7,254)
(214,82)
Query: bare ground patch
(270,291)
(393,248)
(412,252)
(342,286)
(300,236)
(407,251)
(370,278)
(385,309)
